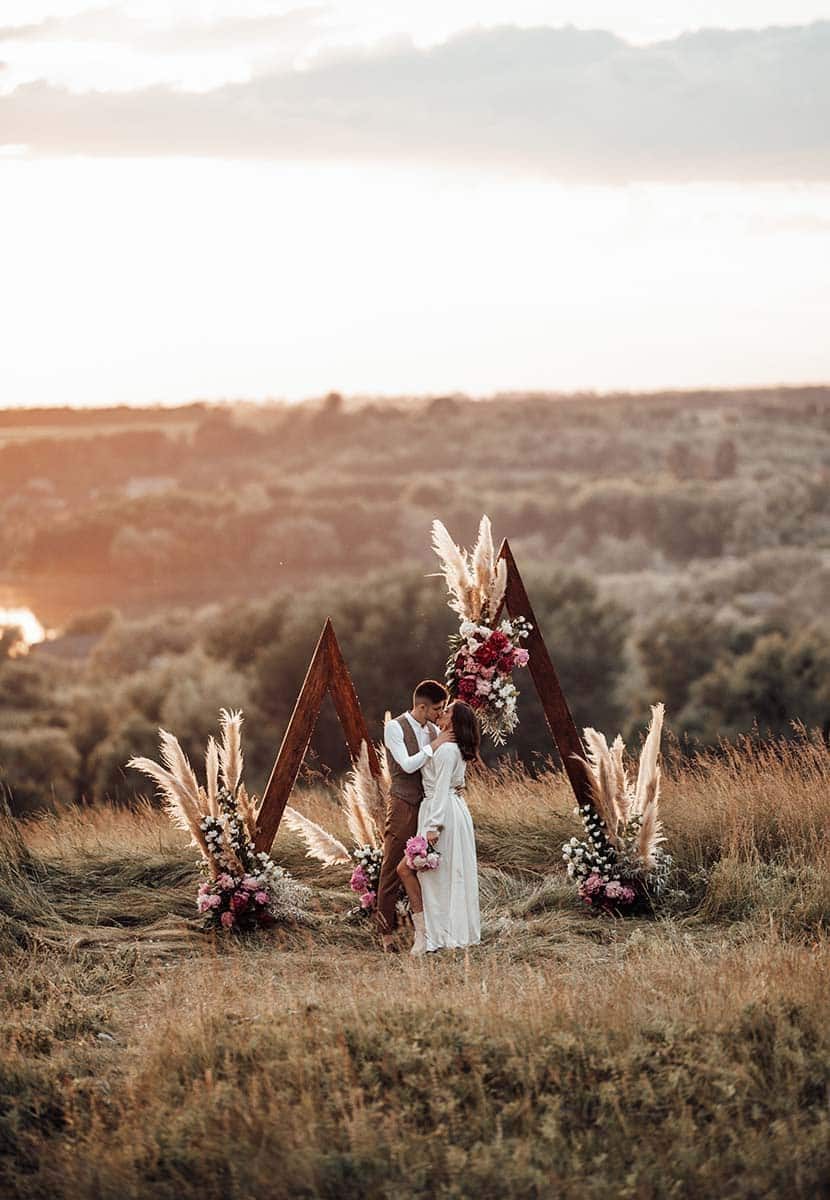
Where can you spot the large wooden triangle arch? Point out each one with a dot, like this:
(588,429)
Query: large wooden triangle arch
(328,672)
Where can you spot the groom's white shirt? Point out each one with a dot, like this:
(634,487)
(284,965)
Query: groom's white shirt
(394,743)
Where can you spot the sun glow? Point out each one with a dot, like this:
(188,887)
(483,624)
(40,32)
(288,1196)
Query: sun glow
(31,630)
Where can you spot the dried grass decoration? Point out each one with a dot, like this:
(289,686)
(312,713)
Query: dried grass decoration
(482,658)
(364,806)
(243,889)
(620,862)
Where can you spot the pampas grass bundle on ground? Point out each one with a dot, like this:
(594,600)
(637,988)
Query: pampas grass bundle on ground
(244,889)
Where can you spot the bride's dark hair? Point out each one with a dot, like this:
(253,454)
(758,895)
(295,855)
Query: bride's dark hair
(466,730)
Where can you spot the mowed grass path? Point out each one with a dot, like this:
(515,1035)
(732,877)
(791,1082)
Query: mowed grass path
(682,1055)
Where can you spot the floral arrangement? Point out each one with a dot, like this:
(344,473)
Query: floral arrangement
(619,864)
(480,672)
(420,855)
(482,656)
(243,889)
(366,876)
(364,803)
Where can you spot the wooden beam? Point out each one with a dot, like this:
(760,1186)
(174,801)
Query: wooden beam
(342,692)
(543,673)
(327,672)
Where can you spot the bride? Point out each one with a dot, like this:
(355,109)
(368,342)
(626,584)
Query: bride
(444,901)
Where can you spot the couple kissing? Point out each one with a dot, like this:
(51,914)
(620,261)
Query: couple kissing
(428,748)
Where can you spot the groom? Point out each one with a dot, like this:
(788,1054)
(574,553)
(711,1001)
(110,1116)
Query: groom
(410,740)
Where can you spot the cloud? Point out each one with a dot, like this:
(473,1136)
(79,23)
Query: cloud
(111,23)
(749,104)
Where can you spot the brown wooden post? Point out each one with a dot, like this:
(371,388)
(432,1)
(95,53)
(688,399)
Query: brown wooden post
(327,672)
(341,690)
(543,673)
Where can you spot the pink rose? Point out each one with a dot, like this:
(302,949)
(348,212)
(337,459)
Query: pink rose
(203,903)
(592,885)
(359,880)
(432,861)
(227,919)
(225,882)
(367,900)
(204,888)
(250,883)
(521,658)
(261,897)
(213,901)
(484,687)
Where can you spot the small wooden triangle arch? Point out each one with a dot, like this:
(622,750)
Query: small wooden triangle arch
(328,672)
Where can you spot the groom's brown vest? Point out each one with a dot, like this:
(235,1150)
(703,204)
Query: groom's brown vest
(406,787)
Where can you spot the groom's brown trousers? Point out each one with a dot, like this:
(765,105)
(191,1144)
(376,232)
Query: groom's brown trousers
(401,825)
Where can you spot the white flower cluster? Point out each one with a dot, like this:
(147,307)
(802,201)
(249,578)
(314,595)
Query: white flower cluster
(507,694)
(220,841)
(370,859)
(593,854)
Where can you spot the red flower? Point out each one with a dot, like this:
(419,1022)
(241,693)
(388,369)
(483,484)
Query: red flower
(487,655)
(499,640)
(505,663)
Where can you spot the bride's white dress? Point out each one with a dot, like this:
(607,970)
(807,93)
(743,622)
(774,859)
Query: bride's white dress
(450,893)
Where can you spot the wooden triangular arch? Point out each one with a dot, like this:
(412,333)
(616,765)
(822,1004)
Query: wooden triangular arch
(327,672)
(546,681)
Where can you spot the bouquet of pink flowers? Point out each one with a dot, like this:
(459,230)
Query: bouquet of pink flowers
(480,672)
(421,856)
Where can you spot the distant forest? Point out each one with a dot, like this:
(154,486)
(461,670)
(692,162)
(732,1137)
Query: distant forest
(676,547)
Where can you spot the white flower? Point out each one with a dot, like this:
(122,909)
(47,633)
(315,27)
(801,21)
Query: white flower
(466,628)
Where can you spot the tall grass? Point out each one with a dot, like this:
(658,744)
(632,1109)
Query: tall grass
(686,1055)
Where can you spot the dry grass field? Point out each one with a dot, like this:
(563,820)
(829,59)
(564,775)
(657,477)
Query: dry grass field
(682,1055)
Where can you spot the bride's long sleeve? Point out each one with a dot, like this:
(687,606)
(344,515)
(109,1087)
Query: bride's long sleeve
(439,798)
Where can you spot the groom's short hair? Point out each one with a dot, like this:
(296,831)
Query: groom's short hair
(429,691)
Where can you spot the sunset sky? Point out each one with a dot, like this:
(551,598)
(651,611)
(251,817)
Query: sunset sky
(252,199)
